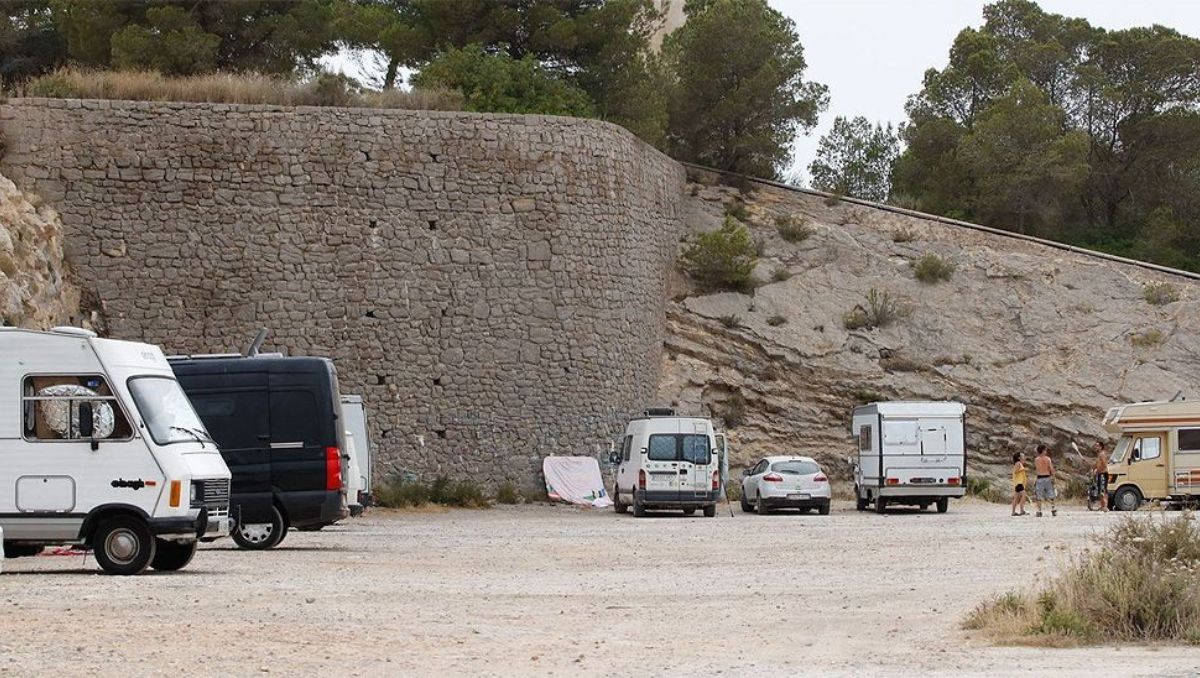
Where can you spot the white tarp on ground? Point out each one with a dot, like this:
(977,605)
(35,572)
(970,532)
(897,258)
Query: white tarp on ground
(575,480)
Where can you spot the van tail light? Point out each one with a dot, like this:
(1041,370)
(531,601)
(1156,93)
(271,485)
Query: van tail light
(773,478)
(893,481)
(176,493)
(820,478)
(641,480)
(716,480)
(333,469)
(953,481)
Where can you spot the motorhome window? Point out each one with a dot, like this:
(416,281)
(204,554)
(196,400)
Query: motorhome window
(864,439)
(662,448)
(295,418)
(1189,440)
(237,419)
(799,468)
(1146,449)
(50,408)
(167,411)
(696,448)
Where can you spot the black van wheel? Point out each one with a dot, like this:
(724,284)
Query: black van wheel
(710,511)
(617,505)
(171,556)
(260,536)
(123,545)
(943,504)
(1127,499)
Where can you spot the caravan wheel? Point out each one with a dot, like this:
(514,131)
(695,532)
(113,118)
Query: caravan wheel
(880,505)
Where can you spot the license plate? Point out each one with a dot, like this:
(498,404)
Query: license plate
(798,495)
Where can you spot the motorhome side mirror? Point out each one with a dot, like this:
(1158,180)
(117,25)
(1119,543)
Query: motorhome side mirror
(87,424)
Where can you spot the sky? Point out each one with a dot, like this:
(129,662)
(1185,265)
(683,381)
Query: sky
(873,53)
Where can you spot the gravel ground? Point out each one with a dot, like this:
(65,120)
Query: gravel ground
(560,591)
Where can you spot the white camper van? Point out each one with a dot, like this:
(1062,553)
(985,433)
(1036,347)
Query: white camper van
(668,462)
(102,449)
(358,482)
(911,453)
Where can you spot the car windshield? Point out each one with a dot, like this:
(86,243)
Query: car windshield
(1119,450)
(167,411)
(795,467)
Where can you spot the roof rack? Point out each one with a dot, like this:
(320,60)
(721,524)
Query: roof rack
(660,411)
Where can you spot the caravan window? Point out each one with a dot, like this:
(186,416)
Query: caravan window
(900,433)
(864,438)
(1189,440)
(50,408)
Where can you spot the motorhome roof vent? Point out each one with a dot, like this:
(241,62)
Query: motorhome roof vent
(74,331)
(660,412)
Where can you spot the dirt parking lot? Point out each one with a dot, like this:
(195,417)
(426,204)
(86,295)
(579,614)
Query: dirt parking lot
(563,591)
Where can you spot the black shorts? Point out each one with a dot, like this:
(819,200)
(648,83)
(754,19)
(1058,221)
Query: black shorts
(1019,488)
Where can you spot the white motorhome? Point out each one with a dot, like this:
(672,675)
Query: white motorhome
(102,449)
(668,462)
(358,482)
(909,453)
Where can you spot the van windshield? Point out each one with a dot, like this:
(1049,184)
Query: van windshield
(167,411)
(1119,449)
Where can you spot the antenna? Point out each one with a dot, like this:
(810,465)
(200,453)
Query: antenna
(256,345)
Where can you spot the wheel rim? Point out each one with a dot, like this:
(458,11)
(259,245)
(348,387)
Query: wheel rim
(122,546)
(1128,501)
(256,533)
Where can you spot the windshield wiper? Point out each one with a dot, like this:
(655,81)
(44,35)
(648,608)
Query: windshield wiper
(190,432)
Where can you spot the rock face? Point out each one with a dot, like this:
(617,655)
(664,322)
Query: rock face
(33,290)
(492,285)
(1038,342)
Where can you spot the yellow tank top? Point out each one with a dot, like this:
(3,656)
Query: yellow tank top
(1018,475)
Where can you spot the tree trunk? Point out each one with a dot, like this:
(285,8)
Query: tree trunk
(389,80)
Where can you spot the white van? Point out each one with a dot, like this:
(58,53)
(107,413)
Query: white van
(102,449)
(358,478)
(911,453)
(668,462)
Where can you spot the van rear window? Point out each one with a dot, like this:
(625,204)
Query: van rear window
(690,447)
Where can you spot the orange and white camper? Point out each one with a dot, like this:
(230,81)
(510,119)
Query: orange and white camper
(1158,454)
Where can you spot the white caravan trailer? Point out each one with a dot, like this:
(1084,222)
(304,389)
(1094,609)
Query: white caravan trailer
(668,462)
(911,453)
(358,483)
(102,449)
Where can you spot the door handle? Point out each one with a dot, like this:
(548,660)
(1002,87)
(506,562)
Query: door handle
(682,471)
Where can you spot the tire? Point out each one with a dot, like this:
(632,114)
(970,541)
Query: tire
(925,506)
(639,510)
(617,505)
(710,511)
(170,556)
(689,512)
(123,545)
(746,506)
(1127,499)
(760,506)
(261,536)
(943,504)
(860,502)
(12,550)
(311,528)
(823,509)
(880,505)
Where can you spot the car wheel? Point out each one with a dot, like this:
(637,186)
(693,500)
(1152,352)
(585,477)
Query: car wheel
(943,504)
(261,536)
(746,507)
(639,511)
(617,505)
(171,556)
(1127,499)
(823,509)
(760,506)
(123,545)
(880,504)
(710,511)
(689,512)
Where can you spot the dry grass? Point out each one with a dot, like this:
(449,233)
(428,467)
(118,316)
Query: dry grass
(792,229)
(880,310)
(932,269)
(230,88)
(1140,583)
(1160,294)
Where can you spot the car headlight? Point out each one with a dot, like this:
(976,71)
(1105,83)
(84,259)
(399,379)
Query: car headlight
(193,497)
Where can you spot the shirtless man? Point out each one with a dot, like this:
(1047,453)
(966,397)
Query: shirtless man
(1100,469)
(1043,487)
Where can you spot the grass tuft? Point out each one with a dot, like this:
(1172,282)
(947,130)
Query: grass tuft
(880,310)
(402,493)
(1160,294)
(932,269)
(792,229)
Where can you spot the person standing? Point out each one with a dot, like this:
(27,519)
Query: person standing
(1019,480)
(1043,488)
(1100,473)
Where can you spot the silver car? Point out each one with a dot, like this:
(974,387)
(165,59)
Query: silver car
(785,482)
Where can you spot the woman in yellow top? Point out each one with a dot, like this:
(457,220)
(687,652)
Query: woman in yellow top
(1018,479)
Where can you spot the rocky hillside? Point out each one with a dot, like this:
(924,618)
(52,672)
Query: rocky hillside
(33,288)
(1037,341)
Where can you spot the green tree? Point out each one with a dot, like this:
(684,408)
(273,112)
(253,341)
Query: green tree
(500,83)
(30,43)
(855,158)
(170,42)
(739,96)
(722,260)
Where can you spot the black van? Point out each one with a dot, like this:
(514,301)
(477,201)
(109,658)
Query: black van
(278,423)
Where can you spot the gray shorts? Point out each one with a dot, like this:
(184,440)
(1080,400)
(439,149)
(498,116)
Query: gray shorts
(1043,488)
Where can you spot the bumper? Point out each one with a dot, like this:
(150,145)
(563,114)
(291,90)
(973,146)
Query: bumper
(783,501)
(314,509)
(917,492)
(205,525)
(677,499)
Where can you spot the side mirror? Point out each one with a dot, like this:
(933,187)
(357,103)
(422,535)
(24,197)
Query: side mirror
(87,424)
(614,458)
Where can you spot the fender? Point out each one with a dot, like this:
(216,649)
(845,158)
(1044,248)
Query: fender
(94,516)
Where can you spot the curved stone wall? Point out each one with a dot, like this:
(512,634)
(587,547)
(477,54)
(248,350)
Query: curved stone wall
(492,285)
